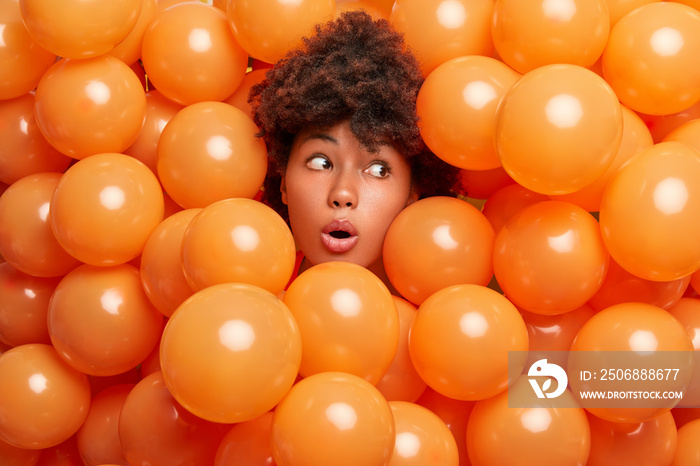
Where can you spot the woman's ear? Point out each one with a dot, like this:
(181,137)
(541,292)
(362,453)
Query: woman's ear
(283,189)
(412,197)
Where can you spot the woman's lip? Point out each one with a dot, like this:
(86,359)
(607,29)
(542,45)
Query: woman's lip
(340,225)
(338,245)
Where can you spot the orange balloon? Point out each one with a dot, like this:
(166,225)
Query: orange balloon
(650,213)
(155,429)
(24,60)
(401,381)
(374,11)
(481,184)
(465,89)
(508,201)
(619,8)
(98,437)
(528,35)
(129,49)
(161,264)
(549,334)
(620,286)
(43,401)
(159,111)
(79,28)
(460,340)
(550,258)
(422,438)
(687,446)
(190,55)
(661,125)
(688,133)
(64,454)
(13,456)
(621,335)
(333,418)
(86,107)
(26,239)
(687,311)
(230,352)
(455,415)
(347,319)
(437,31)
(208,152)
(239,98)
(238,241)
(650,442)
(635,138)
(247,443)
(558,129)
(24,304)
(268,29)
(545,434)
(100,320)
(430,241)
(23,149)
(104,209)
(648,59)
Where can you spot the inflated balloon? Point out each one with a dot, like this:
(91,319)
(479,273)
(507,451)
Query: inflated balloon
(650,213)
(546,434)
(347,320)
(104,209)
(401,381)
(620,286)
(638,329)
(429,243)
(100,320)
(238,241)
(661,125)
(695,281)
(14,456)
(23,149)
(619,8)
(155,429)
(230,352)
(268,29)
(635,138)
(455,415)
(650,442)
(86,107)
(550,258)
(159,111)
(190,55)
(481,184)
(247,443)
(374,11)
(24,304)
(460,340)
(99,384)
(687,447)
(457,105)
(439,30)
(129,49)
(648,59)
(333,418)
(79,28)
(98,437)
(687,311)
(528,35)
(422,438)
(558,129)
(208,152)
(24,60)
(688,133)
(161,264)
(43,401)
(239,98)
(26,239)
(508,201)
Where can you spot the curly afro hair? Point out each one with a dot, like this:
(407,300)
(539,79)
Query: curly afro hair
(354,69)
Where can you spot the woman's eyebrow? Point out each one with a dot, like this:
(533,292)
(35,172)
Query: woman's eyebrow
(322,136)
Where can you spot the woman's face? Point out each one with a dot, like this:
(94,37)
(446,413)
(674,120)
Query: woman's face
(341,197)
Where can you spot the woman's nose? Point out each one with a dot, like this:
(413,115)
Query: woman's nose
(343,193)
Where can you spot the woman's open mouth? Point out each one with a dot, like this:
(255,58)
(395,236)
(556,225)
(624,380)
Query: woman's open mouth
(339,236)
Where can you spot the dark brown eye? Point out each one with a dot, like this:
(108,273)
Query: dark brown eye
(378,169)
(318,163)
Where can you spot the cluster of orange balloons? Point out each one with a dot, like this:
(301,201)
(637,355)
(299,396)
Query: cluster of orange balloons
(143,312)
